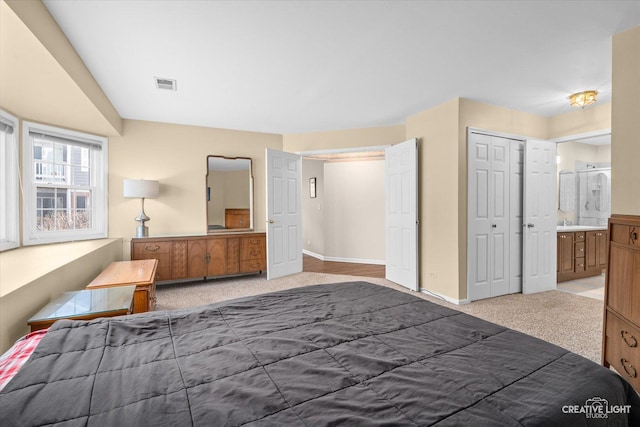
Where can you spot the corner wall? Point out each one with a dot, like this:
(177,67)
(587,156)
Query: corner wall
(625,124)
(438,204)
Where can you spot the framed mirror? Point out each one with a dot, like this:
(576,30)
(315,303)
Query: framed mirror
(229,194)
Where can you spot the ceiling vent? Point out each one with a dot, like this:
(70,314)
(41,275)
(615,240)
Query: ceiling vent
(168,84)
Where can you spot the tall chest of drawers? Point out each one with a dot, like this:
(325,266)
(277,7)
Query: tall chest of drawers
(621,329)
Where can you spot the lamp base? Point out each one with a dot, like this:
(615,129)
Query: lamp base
(142,231)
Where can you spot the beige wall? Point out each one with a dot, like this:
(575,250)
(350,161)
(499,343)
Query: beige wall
(367,137)
(625,124)
(437,133)
(176,155)
(43,79)
(593,118)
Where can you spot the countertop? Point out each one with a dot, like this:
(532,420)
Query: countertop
(562,228)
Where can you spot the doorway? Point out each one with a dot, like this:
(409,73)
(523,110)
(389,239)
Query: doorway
(397,213)
(343,217)
(584,200)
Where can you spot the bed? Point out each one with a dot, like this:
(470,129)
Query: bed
(350,353)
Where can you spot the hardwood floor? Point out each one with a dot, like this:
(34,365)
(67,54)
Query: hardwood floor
(315,265)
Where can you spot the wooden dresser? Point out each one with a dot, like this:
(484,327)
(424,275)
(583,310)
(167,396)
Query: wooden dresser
(197,257)
(621,330)
(237,218)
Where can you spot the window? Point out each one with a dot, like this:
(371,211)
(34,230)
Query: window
(65,185)
(9,216)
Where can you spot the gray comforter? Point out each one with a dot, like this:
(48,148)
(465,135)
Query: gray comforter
(351,353)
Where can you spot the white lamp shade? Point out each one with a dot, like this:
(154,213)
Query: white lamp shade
(141,188)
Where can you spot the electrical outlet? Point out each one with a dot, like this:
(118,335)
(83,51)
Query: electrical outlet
(308,242)
(433,275)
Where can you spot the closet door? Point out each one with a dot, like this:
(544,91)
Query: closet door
(489,218)
(516,191)
(540,232)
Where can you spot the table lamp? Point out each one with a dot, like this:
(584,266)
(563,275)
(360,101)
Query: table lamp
(143,189)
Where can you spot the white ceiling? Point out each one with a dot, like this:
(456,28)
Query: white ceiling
(302,66)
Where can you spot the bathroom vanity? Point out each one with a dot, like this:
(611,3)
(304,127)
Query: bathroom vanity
(582,251)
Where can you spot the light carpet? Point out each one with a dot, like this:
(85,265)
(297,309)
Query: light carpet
(570,321)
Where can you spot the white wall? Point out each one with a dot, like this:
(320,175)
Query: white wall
(229,190)
(354,210)
(572,152)
(313,227)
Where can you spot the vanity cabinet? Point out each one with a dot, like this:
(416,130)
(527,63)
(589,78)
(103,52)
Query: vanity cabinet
(581,254)
(596,258)
(621,329)
(565,253)
(203,256)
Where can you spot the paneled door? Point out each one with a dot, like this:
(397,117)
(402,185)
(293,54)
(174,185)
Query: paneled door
(401,213)
(540,229)
(284,214)
(489,215)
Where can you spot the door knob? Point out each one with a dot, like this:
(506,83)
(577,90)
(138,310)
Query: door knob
(530,225)
(494,225)
(270,221)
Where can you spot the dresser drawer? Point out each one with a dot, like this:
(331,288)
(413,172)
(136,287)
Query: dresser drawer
(579,265)
(579,250)
(151,248)
(580,236)
(252,248)
(248,266)
(621,347)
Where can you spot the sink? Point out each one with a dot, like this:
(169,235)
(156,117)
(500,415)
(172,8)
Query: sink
(579,227)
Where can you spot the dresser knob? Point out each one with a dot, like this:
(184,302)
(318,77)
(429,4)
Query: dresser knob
(633,342)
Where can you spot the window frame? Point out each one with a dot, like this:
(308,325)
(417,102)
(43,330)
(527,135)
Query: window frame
(98,164)
(9,186)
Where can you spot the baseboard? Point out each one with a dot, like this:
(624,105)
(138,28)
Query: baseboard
(444,297)
(340,259)
(313,254)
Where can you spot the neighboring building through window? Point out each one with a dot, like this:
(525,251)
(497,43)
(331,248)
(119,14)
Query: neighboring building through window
(65,185)
(9,181)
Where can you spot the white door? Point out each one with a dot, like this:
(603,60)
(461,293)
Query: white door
(489,216)
(515,199)
(284,215)
(401,213)
(539,228)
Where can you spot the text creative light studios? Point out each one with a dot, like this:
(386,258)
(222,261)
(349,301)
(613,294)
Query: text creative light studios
(596,407)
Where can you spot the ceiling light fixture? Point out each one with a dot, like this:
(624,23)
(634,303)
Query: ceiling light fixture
(582,99)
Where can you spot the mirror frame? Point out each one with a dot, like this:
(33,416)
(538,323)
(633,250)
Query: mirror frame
(251,196)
